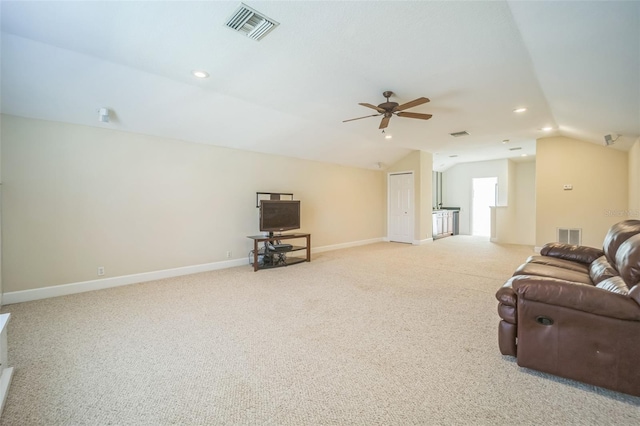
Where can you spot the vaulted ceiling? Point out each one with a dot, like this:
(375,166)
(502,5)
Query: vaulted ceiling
(575,66)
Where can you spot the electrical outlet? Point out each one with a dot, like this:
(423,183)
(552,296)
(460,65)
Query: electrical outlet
(567,187)
(229,254)
(100,271)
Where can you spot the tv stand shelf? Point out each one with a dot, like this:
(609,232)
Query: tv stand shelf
(279,256)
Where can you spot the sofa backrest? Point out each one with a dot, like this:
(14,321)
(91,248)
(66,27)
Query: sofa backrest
(618,234)
(628,260)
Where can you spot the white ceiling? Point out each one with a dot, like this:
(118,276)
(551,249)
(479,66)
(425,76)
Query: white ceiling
(574,65)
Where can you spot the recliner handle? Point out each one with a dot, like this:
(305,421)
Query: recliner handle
(544,320)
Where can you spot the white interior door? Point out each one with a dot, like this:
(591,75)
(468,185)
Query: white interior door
(401,208)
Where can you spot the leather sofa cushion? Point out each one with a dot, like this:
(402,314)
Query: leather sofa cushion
(600,270)
(628,260)
(618,234)
(560,263)
(540,270)
(614,285)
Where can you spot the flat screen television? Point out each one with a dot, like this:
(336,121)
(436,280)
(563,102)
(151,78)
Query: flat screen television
(279,215)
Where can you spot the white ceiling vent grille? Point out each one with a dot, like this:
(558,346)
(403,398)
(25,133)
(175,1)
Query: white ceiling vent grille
(251,23)
(458,134)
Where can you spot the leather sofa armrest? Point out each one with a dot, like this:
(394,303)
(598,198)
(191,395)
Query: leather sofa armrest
(506,295)
(581,297)
(582,254)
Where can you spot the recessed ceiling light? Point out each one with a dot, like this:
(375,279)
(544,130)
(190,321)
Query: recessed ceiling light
(519,110)
(505,141)
(547,129)
(523,155)
(200,74)
(388,136)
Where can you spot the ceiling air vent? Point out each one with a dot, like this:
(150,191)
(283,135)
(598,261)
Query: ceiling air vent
(515,148)
(458,134)
(251,22)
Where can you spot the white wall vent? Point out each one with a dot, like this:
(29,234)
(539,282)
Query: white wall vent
(570,236)
(251,23)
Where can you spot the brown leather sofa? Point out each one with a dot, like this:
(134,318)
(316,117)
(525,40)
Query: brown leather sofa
(574,311)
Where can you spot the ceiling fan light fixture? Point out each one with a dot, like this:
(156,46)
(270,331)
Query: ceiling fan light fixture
(389,109)
(388,137)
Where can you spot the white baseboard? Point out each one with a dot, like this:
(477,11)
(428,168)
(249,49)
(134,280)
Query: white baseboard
(80,287)
(345,245)
(420,242)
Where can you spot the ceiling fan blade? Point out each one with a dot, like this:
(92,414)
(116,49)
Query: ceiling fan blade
(380,110)
(360,118)
(414,115)
(385,122)
(411,104)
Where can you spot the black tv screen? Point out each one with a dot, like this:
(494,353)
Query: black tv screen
(278,216)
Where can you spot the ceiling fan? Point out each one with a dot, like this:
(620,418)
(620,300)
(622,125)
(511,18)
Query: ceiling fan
(388,109)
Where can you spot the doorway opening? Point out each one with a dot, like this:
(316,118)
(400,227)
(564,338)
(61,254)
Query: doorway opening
(484,195)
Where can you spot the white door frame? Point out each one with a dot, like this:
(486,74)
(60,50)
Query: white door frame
(412,201)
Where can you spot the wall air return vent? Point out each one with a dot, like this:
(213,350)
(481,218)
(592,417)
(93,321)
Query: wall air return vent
(251,23)
(458,134)
(570,236)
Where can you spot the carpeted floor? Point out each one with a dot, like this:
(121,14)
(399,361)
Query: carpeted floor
(383,334)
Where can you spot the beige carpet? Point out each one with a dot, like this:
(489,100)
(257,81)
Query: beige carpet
(384,334)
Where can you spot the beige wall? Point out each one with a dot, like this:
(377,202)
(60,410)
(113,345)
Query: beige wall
(600,188)
(516,222)
(457,186)
(514,218)
(634,181)
(426,187)
(421,164)
(78,197)
(524,231)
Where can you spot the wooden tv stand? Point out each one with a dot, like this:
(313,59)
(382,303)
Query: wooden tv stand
(283,260)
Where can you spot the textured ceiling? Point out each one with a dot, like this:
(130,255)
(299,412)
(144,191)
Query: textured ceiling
(574,65)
